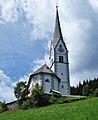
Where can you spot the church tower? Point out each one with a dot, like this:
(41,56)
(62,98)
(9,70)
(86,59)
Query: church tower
(59,57)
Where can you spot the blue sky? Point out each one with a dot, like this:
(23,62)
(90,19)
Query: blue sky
(26,29)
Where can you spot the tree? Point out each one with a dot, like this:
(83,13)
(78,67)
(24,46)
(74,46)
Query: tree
(38,96)
(80,88)
(2,107)
(96,92)
(87,90)
(21,90)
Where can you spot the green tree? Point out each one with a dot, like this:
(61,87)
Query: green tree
(2,107)
(87,90)
(21,90)
(38,96)
(96,92)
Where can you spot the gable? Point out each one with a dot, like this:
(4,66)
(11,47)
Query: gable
(61,47)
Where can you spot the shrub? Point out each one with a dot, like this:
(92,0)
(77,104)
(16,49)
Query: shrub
(64,99)
(2,107)
(96,92)
(87,90)
(38,97)
(25,105)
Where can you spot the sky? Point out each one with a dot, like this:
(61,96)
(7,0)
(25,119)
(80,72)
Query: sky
(26,30)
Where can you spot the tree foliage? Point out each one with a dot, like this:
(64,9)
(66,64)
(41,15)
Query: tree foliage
(2,107)
(21,90)
(38,96)
(93,84)
(87,90)
(96,92)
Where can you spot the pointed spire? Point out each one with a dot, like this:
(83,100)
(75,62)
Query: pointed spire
(57,30)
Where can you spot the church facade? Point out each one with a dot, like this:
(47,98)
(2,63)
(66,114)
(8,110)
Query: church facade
(55,77)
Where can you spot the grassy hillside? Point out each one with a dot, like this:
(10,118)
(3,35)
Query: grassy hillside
(81,110)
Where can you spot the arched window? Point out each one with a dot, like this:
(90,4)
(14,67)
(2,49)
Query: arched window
(62,86)
(47,80)
(61,59)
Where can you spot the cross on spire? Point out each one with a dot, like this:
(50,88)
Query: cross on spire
(57,3)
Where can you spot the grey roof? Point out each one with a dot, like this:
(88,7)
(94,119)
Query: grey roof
(44,69)
(57,31)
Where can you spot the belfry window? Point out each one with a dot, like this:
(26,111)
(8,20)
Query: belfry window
(61,59)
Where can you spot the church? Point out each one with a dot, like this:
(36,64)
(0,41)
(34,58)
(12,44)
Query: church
(56,77)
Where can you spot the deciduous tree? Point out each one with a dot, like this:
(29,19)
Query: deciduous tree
(21,90)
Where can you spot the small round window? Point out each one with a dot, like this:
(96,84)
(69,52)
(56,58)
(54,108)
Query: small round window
(60,46)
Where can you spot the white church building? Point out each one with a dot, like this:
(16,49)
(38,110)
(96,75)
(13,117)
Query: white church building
(55,77)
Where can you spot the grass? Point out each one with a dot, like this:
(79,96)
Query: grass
(80,110)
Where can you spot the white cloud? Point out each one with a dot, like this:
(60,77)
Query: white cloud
(94,4)
(34,13)
(39,62)
(8,10)
(24,78)
(76,39)
(39,19)
(6,88)
(81,76)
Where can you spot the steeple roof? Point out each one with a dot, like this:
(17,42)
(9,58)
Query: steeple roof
(57,30)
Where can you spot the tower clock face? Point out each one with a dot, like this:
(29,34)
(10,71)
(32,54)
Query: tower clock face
(60,49)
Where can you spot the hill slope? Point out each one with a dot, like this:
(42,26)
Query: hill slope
(81,110)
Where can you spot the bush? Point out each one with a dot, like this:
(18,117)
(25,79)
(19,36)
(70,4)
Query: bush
(25,105)
(38,97)
(62,100)
(91,96)
(96,92)
(87,90)
(2,107)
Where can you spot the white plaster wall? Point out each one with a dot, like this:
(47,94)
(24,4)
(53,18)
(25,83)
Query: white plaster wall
(56,84)
(35,80)
(65,90)
(62,69)
(47,85)
(37,77)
